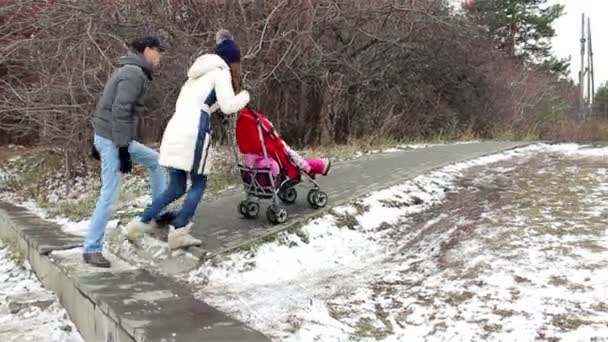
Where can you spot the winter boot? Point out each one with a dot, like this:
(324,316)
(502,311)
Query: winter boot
(181,238)
(136,229)
(327,163)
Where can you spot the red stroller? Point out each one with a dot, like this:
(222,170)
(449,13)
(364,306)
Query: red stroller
(255,134)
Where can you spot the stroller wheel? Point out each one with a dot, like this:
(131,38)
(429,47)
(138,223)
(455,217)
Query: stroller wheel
(243,209)
(276,214)
(317,198)
(253,209)
(310,197)
(288,196)
(249,209)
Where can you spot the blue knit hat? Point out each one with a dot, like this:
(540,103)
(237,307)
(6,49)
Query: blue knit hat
(226,47)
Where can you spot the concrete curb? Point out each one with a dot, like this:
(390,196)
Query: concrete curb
(118,304)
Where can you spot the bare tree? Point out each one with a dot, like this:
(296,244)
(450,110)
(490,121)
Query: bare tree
(325,71)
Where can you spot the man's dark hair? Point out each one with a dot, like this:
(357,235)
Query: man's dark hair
(141,43)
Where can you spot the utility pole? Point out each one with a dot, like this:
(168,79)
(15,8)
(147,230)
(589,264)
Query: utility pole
(590,77)
(581,74)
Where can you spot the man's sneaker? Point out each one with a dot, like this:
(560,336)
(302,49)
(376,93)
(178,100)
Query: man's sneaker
(181,238)
(96,259)
(136,229)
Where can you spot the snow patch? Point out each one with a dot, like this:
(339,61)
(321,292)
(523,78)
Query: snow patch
(346,275)
(30,323)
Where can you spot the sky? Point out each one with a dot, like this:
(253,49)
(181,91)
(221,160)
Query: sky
(568,30)
(568,27)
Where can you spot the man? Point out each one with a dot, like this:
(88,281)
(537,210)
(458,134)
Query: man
(186,141)
(115,124)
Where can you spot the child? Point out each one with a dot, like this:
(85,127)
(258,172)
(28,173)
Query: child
(312,167)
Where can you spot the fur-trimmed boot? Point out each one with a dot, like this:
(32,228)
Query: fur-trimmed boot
(136,229)
(181,238)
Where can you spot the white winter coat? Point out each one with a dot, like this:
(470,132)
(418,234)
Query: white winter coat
(209,72)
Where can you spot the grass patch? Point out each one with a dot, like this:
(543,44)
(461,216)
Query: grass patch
(252,247)
(424,300)
(295,324)
(299,231)
(591,245)
(347,220)
(217,182)
(558,281)
(457,298)
(439,327)
(361,208)
(492,328)
(578,287)
(366,329)
(471,272)
(568,322)
(602,307)
(353,149)
(280,237)
(503,313)
(519,279)
(249,248)
(73,210)
(515,293)
(337,312)
(29,173)
(15,252)
(388,203)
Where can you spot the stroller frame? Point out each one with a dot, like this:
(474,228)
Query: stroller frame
(261,184)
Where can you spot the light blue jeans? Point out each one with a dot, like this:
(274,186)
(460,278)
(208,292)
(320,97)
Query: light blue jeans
(111,178)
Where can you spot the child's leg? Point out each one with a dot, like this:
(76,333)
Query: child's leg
(300,162)
(175,190)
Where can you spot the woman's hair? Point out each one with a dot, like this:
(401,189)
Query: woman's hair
(235,75)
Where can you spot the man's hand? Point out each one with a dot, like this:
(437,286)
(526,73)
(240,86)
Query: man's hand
(125,159)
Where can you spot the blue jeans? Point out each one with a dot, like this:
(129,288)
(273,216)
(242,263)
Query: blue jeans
(111,178)
(175,190)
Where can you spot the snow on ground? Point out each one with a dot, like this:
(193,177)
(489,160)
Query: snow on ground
(30,323)
(511,246)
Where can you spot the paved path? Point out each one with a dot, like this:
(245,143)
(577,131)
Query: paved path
(222,228)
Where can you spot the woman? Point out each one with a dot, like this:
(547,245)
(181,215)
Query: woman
(186,140)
